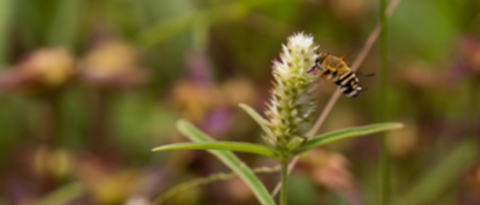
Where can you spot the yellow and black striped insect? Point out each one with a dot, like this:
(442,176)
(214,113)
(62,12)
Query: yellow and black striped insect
(336,69)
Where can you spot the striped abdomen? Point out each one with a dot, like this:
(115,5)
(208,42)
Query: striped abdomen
(348,83)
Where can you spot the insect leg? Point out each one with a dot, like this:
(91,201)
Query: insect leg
(365,74)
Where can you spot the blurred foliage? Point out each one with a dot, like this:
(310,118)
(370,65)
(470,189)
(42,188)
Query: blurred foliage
(198,59)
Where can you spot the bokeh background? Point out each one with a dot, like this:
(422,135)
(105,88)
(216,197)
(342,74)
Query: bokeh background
(89,87)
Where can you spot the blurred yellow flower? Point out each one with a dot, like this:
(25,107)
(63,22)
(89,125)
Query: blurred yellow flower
(110,58)
(112,63)
(47,68)
(331,170)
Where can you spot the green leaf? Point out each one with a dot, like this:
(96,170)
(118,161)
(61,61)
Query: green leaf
(7,14)
(346,133)
(231,146)
(63,30)
(257,119)
(442,176)
(63,194)
(295,142)
(167,28)
(232,161)
(206,180)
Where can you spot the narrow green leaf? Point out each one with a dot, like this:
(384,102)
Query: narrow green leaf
(232,161)
(257,119)
(346,133)
(441,177)
(295,142)
(63,194)
(168,28)
(7,13)
(206,180)
(63,30)
(230,146)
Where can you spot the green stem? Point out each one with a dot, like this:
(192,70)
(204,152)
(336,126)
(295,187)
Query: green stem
(385,172)
(385,158)
(284,178)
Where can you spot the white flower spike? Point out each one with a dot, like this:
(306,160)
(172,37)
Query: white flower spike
(293,100)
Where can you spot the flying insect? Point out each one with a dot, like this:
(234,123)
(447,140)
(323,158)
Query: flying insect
(336,69)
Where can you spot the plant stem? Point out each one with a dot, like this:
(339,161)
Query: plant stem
(385,158)
(284,179)
(385,172)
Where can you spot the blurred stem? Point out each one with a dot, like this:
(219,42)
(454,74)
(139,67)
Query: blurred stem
(206,180)
(385,158)
(63,29)
(100,128)
(475,105)
(284,178)
(49,119)
(6,15)
(200,34)
(48,131)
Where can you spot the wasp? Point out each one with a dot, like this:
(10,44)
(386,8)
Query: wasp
(336,69)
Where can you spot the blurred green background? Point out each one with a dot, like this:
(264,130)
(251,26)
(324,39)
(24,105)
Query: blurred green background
(89,87)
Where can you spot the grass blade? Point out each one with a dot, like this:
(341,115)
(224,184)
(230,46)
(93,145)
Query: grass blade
(63,195)
(259,119)
(346,133)
(433,184)
(168,28)
(7,11)
(206,180)
(63,30)
(232,161)
(230,146)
